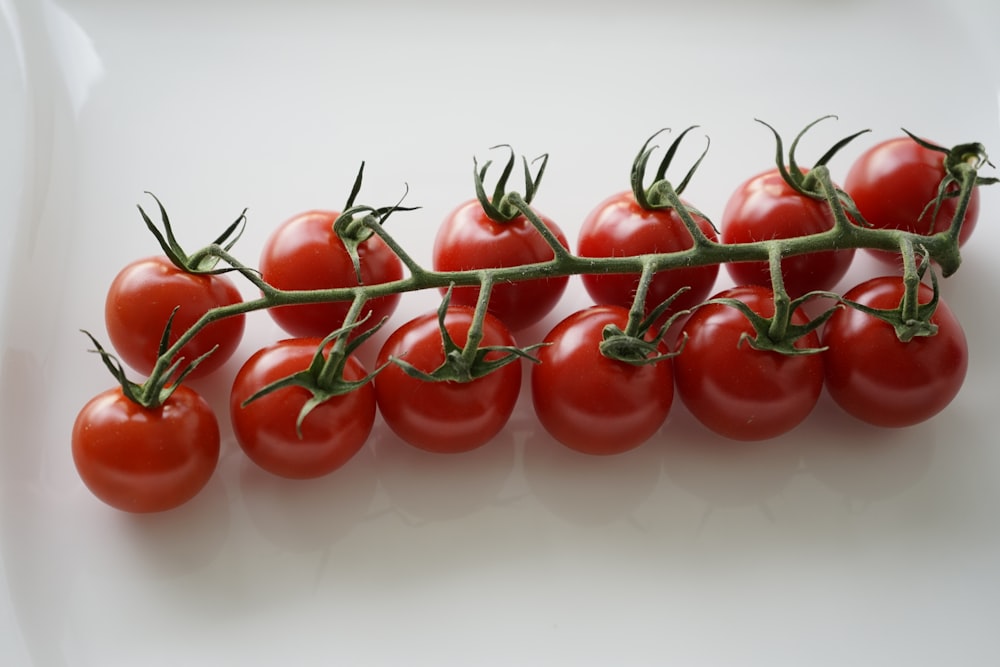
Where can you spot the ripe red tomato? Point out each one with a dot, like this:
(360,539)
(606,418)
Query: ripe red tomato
(736,390)
(589,402)
(331,434)
(445,416)
(305,253)
(766,207)
(881,380)
(144,294)
(894,181)
(139,459)
(470,239)
(618,227)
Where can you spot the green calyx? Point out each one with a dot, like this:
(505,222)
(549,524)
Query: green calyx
(778,333)
(910,319)
(499,207)
(468,363)
(161,383)
(804,181)
(649,197)
(634,345)
(324,377)
(204,261)
(357,223)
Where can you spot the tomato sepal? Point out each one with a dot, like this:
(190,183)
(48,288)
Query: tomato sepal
(499,207)
(633,345)
(324,377)
(356,224)
(652,198)
(468,363)
(160,384)
(204,261)
(778,333)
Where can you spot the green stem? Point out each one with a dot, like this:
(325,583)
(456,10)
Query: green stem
(782,303)
(474,336)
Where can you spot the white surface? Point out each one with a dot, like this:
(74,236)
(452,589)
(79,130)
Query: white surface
(519,553)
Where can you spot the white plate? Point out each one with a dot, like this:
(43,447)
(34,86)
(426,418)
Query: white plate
(883,551)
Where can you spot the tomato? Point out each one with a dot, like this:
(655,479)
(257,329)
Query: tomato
(736,390)
(618,227)
(140,459)
(470,239)
(894,181)
(331,434)
(305,253)
(592,403)
(144,294)
(446,416)
(881,380)
(766,207)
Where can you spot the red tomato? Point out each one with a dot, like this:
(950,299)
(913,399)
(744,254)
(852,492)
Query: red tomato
(881,380)
(894,181)
(139,459)
(445,416)
(306,253)
(766,207)
(618,227)
(332,433)
(470,239)
(589,402)
(141,299)
(736,390)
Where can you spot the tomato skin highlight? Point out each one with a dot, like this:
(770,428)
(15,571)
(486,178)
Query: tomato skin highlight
(735,390)
(618,227)
(144,460)
(144,294)
(765,207)
(593,404)
(892,183)
(881,380)
(470,239)
(305,253)
(332,433)
(445,417)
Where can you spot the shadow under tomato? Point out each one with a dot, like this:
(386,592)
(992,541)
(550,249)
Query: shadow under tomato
(587,489)
(309,514)
(184,539)
(430,486)
(727,473)
(861,462)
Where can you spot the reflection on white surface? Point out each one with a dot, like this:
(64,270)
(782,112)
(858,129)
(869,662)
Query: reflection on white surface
(837,544)
(79,63)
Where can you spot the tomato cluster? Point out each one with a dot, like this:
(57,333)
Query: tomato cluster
(747,362)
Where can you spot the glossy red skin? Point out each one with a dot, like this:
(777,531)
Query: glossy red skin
(332,433)
(469,239)
(591,403)
(765,207)
(444,417)
(619,227)
(304,253)
(140,300)
(891,184)
(144,460)
(735,390)
(877,378)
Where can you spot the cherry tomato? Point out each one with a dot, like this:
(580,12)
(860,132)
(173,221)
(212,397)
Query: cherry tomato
(144,294)
(445,416)
(306,253)
(589,402)
(766,207)
(139,459)
(881,380)
(470,239)
(736,390)
(894,181)
(331,434)
(618,227)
